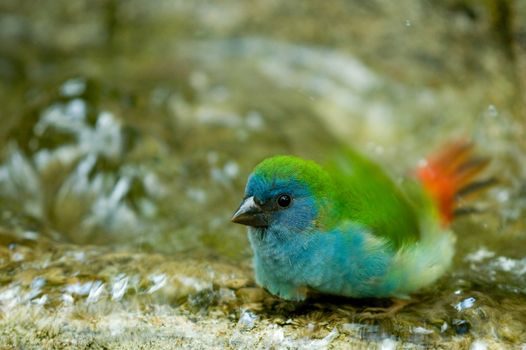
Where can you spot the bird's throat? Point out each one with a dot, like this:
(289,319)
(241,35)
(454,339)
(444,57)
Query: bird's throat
(259,232)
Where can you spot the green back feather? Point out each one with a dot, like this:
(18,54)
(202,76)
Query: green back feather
(352,188)
(368,196)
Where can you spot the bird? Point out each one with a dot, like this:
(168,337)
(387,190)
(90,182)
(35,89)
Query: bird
(347,228)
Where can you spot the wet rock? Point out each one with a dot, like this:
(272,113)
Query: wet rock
(236,283)
(139,158)
(251,295)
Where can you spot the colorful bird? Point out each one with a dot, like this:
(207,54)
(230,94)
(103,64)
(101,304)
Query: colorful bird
(348,229)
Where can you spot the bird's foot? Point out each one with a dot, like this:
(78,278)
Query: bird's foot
(384,312)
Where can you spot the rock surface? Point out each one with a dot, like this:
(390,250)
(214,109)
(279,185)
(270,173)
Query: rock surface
(128,131)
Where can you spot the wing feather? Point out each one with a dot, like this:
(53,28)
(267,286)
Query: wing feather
(369,197)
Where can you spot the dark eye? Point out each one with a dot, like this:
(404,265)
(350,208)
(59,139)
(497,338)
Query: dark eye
(284,200)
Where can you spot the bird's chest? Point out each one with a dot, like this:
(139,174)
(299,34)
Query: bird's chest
(270,251)
(327,262)
(278,256)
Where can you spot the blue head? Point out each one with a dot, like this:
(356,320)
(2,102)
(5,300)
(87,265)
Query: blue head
(284,193)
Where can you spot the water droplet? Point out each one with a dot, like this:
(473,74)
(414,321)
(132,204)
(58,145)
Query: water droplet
(247,320)
(388,344)
(492,111)
(199,80)
(506,264)
(254,120)
(479,255)
(32,235)
(227,295)
(465,304)
(67,299)
(76,110)
(478,345)
(324,343)
(212,157)
(79,256)
(38,282)
(153,185)
(10,296)
(40,301)
(95,292)
(158,282)
(79,288)
(311,327)
(421,330)
(503,196)
(73,87)
(231,169)
(196,194)
(119,287)
(17,256)
(407,23)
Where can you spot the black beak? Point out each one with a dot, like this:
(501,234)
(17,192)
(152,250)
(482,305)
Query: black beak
(250,213)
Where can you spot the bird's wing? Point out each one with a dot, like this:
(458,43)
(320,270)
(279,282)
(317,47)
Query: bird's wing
(367,196)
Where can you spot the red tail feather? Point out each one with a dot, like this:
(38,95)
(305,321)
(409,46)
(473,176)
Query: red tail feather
(449,173)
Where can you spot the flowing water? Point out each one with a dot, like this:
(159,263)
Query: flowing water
(128,130)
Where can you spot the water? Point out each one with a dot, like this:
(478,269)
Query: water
(128,131)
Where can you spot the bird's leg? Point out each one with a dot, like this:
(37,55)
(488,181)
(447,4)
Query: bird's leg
(384,312)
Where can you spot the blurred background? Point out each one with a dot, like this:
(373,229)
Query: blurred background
(133,125)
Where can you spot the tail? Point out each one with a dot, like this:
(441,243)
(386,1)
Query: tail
(450,175)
